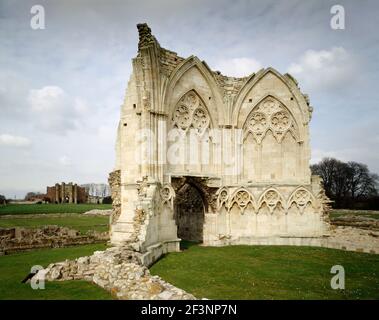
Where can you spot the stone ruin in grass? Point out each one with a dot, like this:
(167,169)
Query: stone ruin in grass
(204,157)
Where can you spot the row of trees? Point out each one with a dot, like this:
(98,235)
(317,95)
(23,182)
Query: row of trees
(348,184)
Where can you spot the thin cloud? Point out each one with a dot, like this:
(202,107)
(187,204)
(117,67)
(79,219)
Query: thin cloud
(9,140)
(65,161)
(324,69)
(54,110)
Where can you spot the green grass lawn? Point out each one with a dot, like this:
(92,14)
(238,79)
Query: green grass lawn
(50,208)
(269,272)
(82,223)
(14,268)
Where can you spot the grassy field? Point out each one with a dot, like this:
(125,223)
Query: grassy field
(82,223)
(364,213)
(15,267)
(269,272)
(50,208)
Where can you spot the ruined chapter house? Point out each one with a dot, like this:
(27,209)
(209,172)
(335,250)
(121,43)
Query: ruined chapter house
(206,157)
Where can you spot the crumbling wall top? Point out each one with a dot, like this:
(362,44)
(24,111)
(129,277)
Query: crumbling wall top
(145,37)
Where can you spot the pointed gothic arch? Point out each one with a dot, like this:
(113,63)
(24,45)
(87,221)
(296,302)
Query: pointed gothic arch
(242,198)
(301,197)
(272,198)
(270,114)
(254,79)
(191,112)
(180,71)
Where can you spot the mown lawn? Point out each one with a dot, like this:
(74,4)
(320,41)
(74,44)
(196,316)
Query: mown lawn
(269,272)
(14,268)
(82,223)
(50,208)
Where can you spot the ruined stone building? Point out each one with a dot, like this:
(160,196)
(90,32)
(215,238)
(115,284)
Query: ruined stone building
(66,193)
(206,157)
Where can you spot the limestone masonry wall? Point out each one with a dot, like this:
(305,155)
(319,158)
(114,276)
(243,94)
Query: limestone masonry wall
(21,239)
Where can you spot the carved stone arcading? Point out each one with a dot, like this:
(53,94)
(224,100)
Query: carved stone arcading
(301,197)
(270,115)
(191,113)
(272,199)
(242,198)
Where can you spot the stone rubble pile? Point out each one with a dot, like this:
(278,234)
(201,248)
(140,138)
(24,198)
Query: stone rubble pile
(118,270)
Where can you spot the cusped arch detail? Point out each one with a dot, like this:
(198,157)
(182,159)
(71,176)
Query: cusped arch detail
(222,197)
(242,198)
(254,79)
(272,198)
(301,197)
(191,112)
(167,194)
(179,72)
(270,114)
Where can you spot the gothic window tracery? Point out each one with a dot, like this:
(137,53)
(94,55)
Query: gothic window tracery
(191,113)
(270,115)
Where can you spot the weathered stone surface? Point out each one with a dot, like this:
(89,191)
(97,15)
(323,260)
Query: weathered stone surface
(98,212)
(114,181)
(357,220)
(20,239)
(118,270)
(353,239)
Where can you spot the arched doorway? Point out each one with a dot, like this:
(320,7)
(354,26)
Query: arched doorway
(189,213)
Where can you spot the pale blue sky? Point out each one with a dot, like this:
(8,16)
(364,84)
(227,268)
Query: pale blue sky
(61,88)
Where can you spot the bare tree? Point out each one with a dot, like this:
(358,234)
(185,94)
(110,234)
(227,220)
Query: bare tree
(346,183)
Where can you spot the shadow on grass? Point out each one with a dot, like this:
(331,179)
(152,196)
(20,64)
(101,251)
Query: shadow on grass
(185,244)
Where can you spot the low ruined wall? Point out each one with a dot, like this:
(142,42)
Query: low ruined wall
(21,239)
(342,238)
(357,221)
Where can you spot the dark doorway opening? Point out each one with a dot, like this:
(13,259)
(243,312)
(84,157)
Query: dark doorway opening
(189,213)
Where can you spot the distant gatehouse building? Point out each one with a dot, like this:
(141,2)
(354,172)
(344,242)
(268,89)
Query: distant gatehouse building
(66,193)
